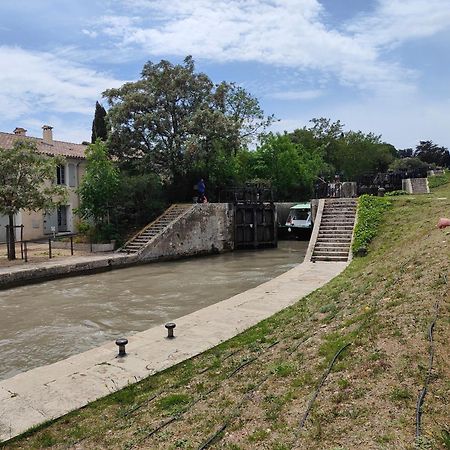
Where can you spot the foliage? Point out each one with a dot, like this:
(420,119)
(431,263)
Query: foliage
(139,199)
(99,185)
(438,180)
(408,164)
(430,153)
(395,193)
(99,130)
(350,154)
(172,117)
(370,215)
(405,153)
(288,166)
(27,182)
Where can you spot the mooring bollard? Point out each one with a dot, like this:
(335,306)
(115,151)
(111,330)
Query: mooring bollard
(170,326)
(121,344)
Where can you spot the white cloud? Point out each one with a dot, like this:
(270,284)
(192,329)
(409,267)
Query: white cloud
(90,33)
(398,21)
(283,33)
(34,81)
(297,95)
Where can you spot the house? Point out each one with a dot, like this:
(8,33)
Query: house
(40,223)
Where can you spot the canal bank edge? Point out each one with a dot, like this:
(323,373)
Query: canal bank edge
(49,392)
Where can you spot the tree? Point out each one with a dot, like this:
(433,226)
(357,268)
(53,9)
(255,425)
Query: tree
(350,154)
(98,186)
(288,166)
(431,153)
(99,130)
(174,116)
(27,182)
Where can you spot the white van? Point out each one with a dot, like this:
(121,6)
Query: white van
(299,217)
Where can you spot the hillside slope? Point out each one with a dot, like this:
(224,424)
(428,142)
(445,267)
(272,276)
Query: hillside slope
(252,391)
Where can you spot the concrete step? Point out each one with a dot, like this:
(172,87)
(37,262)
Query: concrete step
(337,233)
(328,248)
(336,242)
(329,253)
(329,258)
(329,226)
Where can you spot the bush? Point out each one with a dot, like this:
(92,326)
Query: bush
(370,214)
(395,193)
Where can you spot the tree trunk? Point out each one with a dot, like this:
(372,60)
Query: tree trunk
(11,238)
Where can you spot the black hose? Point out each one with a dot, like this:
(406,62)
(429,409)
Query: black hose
(423,391)
(322,381)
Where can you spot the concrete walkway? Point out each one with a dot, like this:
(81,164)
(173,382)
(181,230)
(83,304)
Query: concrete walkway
(48,392)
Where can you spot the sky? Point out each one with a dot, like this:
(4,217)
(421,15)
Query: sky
(380,66)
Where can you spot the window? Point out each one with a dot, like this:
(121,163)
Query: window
(60,174)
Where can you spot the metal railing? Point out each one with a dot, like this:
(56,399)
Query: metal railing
(23,247)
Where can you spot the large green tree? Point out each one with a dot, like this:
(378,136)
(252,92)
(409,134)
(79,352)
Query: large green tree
(173,116)
(348,153)
(99,185)
(290,168)
(27,183)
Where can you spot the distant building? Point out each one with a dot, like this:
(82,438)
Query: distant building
(40,223)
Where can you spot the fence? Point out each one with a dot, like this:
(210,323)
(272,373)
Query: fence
(24,249)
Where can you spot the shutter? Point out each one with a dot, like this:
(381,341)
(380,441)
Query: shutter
(72,176)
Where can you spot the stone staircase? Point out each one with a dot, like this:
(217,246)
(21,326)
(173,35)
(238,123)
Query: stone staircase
(335,230)
(416,186)
(154,229)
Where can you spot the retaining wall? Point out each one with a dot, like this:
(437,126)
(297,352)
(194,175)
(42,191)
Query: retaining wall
(207,228)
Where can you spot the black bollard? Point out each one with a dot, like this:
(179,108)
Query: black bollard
(121,344)
(170,326)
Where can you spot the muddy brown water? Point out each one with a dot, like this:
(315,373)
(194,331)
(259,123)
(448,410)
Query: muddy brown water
(44,323)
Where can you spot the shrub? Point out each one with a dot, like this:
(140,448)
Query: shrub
(395,193)
(370,214)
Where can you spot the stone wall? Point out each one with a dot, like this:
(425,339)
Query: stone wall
(207,228)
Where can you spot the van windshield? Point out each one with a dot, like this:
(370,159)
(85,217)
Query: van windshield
(299,214)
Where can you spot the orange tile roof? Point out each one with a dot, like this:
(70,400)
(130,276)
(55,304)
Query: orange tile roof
(67,149)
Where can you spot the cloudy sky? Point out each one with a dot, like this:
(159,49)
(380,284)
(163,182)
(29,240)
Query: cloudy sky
(377,65)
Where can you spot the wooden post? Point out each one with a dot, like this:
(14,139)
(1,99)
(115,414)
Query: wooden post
(50,248)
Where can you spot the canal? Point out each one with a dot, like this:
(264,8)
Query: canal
(44,323)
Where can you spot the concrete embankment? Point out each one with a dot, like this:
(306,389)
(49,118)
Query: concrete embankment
(48,392)
(67,267)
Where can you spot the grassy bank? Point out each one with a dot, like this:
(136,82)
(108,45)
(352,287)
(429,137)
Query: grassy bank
(252,391)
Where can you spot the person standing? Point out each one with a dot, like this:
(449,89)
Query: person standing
(201,191)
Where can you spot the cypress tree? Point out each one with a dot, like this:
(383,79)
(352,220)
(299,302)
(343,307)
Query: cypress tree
(99,123)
